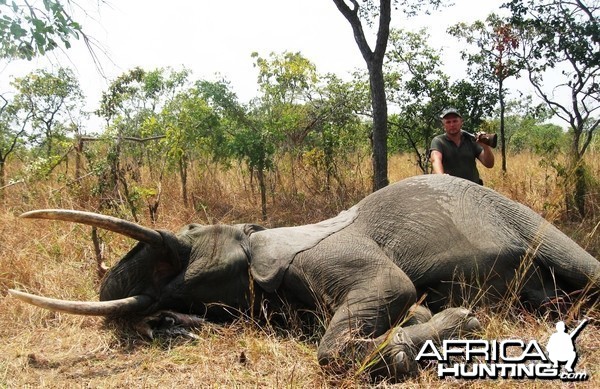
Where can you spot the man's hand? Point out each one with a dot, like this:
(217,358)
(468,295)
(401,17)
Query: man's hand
(486,139)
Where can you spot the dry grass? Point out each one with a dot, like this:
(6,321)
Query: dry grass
(46,349)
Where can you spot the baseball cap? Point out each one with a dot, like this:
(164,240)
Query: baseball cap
(450,111)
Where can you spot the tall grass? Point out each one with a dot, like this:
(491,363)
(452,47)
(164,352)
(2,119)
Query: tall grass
(48,349)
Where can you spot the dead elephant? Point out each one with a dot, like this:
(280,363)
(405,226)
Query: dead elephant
(434,236)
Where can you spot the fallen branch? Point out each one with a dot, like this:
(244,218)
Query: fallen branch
(13,183)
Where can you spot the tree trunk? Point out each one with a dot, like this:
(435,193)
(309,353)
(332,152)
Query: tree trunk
(380,129)
(293,171)
(263,192)
(183,179)
(580,188)
(2,178)
(577,186)
(502,130)
(78,152)
(374,60)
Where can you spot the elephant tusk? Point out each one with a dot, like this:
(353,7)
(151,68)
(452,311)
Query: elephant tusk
(113,308)
(110,223)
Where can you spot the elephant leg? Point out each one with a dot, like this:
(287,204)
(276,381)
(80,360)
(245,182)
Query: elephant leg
(369,310)
(398,348)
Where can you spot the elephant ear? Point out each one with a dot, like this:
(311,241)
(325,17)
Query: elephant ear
(250,229)
(274,249)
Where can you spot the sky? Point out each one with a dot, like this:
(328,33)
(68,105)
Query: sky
(213,38)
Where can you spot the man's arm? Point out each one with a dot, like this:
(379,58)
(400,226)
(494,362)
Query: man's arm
(486,157)
(436,162)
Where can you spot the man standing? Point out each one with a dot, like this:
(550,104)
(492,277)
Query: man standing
(454,152)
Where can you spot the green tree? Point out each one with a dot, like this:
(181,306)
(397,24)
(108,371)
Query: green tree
(305,113)
(358,15)
(137,94)
(493,60)
(476,98)
(338,130)
(542,139)
(12,132)
(131,107)
(521,115)
(30,28)
(192,128)
(51,104)
(287,84)
(574,54)
(419,89)
(250,140)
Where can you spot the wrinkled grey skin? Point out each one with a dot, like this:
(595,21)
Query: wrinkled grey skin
(433,235)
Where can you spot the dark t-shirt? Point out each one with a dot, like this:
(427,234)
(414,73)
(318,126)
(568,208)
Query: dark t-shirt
(458,161)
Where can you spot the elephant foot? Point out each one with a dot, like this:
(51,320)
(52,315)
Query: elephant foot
(168,323)
(458,321)
(404,352)
(453,322)
(417,314)
(396,357)
(397,352)
(447,324)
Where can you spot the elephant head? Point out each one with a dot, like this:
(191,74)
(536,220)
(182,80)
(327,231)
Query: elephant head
(199,267)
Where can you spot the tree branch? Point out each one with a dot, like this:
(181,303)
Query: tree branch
(383,32)
(359,35)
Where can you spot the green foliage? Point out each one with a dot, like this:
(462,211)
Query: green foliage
(476,99)
(142,110)
(420,90)
(286,82)
(255,147)
(285,78)
(122,95)
(249,140)
(544,139)
(30,28)
(337,127)
(48,106)
(494,57)
(578,25)
(11,133)
(192,127)
(298,113)
(574,53)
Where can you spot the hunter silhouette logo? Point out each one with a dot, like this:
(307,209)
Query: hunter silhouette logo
(508,359)
(561,346)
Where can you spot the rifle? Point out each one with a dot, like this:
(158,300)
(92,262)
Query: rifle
(576,331)
(488,139)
